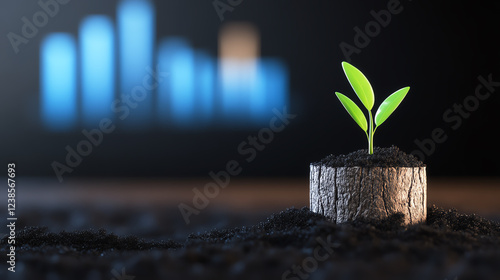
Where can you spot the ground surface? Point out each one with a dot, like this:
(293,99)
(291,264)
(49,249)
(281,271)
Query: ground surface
(147,210)
(292,244)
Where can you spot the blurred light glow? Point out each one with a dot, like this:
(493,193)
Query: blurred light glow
(136,31)
(192,88)
(205,86)
(97,68)
(176,95)
(58,81)
(275,82)
(237,81)
(239,41)
(251,87)
(238,62)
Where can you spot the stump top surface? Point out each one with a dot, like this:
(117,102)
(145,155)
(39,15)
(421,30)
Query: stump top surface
(381,157)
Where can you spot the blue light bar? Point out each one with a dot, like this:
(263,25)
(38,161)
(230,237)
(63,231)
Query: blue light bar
(276,83)
(58,81)
(97,68)
(176,95)
(250,90)
(205,86)
(236,82)
(136,29)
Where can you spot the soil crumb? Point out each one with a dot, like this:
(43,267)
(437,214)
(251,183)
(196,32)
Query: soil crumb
(285,245)
(381,157)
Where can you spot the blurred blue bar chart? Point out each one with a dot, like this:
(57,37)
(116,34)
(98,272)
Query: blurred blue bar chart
(171,85)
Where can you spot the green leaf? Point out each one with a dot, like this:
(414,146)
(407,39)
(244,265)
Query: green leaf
(360,85)
(389,105)
(353,110)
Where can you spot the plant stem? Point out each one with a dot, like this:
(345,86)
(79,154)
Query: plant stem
(370,134)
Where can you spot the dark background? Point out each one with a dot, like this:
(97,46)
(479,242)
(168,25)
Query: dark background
(439,48)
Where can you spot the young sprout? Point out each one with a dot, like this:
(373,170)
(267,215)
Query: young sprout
(364,91)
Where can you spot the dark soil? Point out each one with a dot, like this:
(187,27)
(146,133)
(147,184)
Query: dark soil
(381,157)
(293,244)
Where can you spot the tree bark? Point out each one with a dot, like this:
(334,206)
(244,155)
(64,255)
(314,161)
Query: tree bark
(349,193)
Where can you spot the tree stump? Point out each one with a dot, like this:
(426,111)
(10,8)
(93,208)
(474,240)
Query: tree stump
(350,193)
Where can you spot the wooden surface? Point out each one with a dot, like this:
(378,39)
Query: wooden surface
(351,193)
(470,195)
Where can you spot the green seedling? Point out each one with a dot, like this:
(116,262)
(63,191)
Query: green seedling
(364,91)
